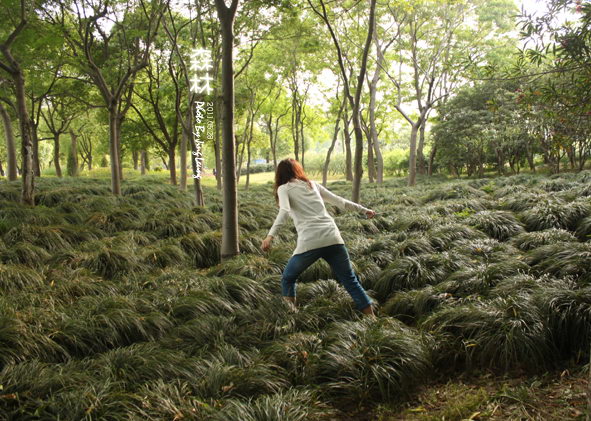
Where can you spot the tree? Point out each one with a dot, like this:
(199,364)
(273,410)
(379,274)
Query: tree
(354,100)
(110,60)
(435,43)
(9,135)
(11,65)
(229,246)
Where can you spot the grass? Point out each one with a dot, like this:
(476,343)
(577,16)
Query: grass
(120,307)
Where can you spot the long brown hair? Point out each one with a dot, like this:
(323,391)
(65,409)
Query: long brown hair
(288,169)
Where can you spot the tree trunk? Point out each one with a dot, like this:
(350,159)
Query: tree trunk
(230,233)
(420,156)
(347,133)
(530,161)
(28,172)
(172,165)
(35,141)
(370,163)
(303,142)
(294,128)
(373,133)
(248,148)
(412,161)
(135,159)
(114,152)
(355,103)
(74,153)
(247,164)
(183,152)
(269,124)
(143,162)
(10,144)
(334,141)
(56,155)
(118,146)
(240,159)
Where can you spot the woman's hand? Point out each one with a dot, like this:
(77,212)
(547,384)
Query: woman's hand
(266,244)
(370,214)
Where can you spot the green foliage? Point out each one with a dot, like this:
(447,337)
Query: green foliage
(104,297)
(504,333)
(531,240)
(563,259)
(373,360)
(555,213)
(498,224)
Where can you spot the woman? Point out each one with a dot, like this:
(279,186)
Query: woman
(318,235)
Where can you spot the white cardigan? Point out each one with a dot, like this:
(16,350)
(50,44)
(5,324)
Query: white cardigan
(315,227)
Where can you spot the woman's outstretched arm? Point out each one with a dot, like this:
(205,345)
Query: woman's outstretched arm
(284,209)
(339,201)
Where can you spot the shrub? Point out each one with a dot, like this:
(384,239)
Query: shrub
(584,229)
(487,249)
(19,277)
(563,259)
(411,306)
(503,333)
(12,334)
(96,324)
(108,257)
(296,353)
(322,302)
(163,253)
(49,237)
(522,201)
(457,191)
(569,316)
(498,224)
(290,405)
(409,272)
(175,222)
(248,265)
(369,360)
(203,249)
(25,254)
(555,213)
(531,240)
(442,237)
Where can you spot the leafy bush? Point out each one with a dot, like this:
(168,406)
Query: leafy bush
(500,225)
(409,272)
(531,240)
(563,259)
(503,333)
(370,360)
(290,405)
(555,213)
(569,318)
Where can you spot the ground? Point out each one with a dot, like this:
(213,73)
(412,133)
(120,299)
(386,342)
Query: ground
(560,395)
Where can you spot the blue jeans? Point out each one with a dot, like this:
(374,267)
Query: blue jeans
(337,256)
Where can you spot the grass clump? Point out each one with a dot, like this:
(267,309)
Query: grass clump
(503,333)
(370,360)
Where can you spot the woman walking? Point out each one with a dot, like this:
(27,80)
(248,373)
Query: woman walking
(318,234)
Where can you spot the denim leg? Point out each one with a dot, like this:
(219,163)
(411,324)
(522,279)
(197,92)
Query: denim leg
(337,256)
(295,266)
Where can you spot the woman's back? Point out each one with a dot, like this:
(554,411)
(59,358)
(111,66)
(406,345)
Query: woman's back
(314,225)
